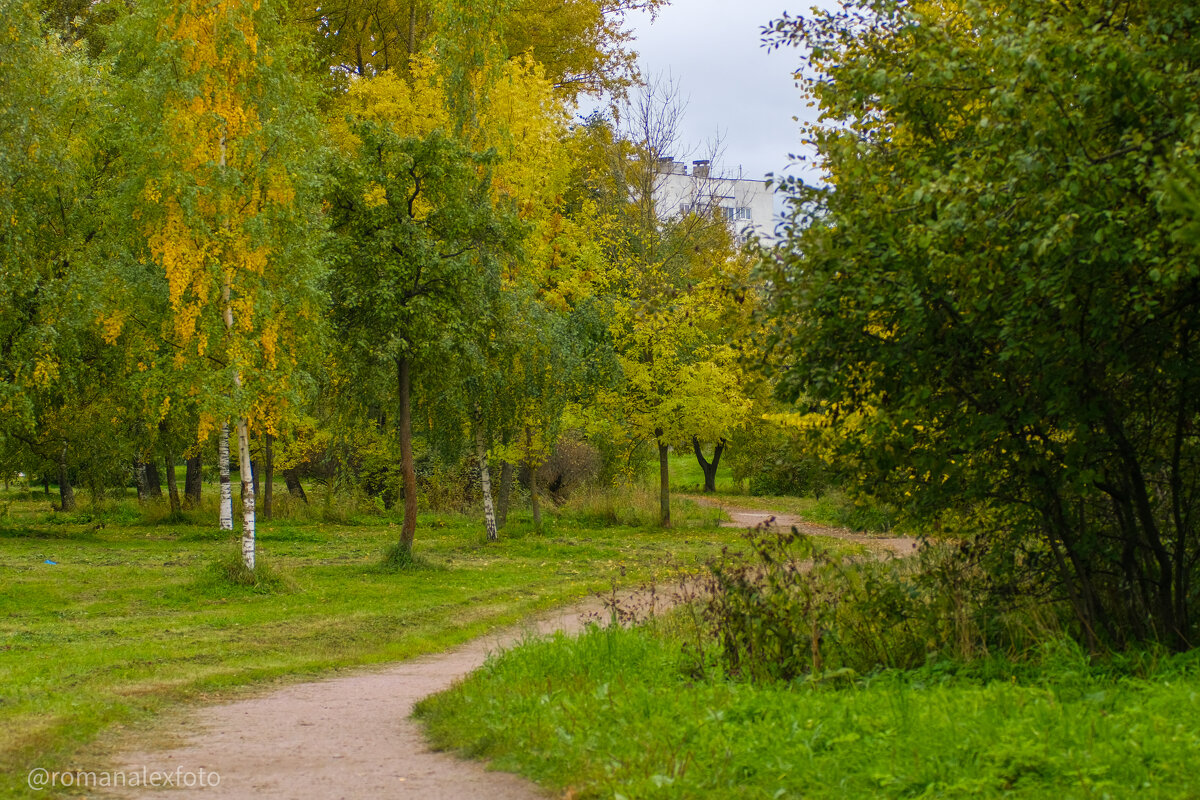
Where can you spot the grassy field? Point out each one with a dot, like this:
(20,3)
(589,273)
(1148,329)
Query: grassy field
(625,715)
(108,618)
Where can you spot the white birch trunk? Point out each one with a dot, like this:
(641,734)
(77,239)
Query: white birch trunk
(245,474)
(247,477)
(485,477)
(226,491)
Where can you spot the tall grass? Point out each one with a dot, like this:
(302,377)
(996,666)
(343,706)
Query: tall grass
(636,506)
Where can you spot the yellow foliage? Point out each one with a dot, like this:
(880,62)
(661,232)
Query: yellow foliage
(110,326)
(413,107)
(45,372)
(375,196)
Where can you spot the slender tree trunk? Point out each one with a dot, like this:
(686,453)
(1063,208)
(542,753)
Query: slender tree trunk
(66,492)
(46,482)
(533,487)
(709,469)
(245,472)
(193,482)
(153,481)
(485,478)
(172,484)
(139,479)
(226,489)
(268,475)
(409,529)
(664,481)
(254,469)
(506,474)
(296,489)
(247,476)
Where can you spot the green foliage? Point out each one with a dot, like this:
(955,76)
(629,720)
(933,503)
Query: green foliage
(988,304)
(774,460)
(610,714)
(788,607)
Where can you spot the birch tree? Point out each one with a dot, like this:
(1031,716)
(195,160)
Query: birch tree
(220,121)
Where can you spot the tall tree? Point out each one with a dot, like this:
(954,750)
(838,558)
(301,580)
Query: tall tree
(221,124)
(54,175)
(990,304)
(415,232)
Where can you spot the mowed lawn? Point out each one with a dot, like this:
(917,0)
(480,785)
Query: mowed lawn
(106,618)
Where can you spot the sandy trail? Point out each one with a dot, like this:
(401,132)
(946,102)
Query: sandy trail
(353,737)
(345,737)
(741,517)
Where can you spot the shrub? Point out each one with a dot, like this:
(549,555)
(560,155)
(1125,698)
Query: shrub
(773,460)
(788,607)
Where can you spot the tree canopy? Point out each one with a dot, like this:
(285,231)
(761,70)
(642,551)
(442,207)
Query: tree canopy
(989,303)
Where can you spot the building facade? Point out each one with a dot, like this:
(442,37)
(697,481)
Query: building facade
(747,205)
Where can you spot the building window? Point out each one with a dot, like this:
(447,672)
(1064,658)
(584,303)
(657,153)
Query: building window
(743,212)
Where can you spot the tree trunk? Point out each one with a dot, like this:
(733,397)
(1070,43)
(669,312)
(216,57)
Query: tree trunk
(506,474)
(709,469)
(664,481)
(254,468)
(153,481)
(66,492)
(409,529)
(193,481)
(268,475)
(172,484)
(246,473)
(296,489)
(533,488)
(139,479)
(485,478)
(226,489)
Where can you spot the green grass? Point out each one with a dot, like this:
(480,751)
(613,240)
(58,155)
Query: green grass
(687,477)
(133,619)
(622,714)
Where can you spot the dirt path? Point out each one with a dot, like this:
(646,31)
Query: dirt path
(353,736)
(742,517)
(346,737)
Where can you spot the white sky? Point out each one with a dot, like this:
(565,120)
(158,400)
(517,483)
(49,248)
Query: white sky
(732,85)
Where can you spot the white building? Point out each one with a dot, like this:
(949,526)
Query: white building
(748,205)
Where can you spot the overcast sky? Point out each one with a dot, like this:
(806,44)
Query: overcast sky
(732,85)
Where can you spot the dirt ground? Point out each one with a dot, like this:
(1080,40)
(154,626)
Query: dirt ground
(353,737)
(750,518)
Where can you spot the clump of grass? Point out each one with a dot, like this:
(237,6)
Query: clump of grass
(231,570)
(399,557)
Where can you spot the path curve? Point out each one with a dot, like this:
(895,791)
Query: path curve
(742,517)
(345,737)
(352,736)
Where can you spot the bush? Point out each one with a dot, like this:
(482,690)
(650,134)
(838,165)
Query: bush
(789,608)
(571,464)
(773,460)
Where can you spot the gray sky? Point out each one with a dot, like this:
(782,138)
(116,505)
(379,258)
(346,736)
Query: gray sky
(732,85)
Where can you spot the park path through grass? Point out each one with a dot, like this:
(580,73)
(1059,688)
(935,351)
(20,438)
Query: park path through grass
(352,736)
(349,736)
